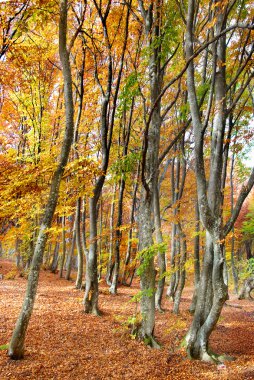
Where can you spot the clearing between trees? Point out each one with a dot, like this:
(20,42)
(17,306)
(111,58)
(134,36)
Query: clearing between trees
(65,343)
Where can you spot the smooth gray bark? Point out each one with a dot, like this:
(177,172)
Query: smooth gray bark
(16,346)
(161,252)
(233,266)
(107,120)
(182,271)
(130,235)
(196,260)
(70,255)
(62,261)
(247,288)
(151,19)
(79,245)
(110,266)
(213,290)
(118,234)
(54,264)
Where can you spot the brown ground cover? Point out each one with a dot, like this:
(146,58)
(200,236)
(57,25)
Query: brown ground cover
(64,343)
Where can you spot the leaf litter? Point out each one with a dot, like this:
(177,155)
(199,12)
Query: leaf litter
(65,343)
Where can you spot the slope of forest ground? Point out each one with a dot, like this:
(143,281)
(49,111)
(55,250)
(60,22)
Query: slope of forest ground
(64,343)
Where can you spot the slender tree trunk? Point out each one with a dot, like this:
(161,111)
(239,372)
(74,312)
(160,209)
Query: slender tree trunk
(130,235)
(171,287)
(70,255)
(196,260)
(182,272)
(54,264)
(16,346)
(248,250)
(175,178)
(177,188)
(234,270)
(111,239)
(46,258)
(17,253)
(83,227)
(63,248)
(161,253)
(106,125)
(113,288)
(79,246)
(100,240)
(92,290)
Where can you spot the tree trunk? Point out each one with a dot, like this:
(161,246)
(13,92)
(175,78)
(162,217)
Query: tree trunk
(161,253)
(149,174)
(113,288)
(16,346)
(70,255)
(146,271)
(54,264)
(92,290)
(233,267)
(79,246)
(63,248)
(107,121)
(100,240)
(196,260)
(182,272)
(111,239)
(247,288)
(212,292)
(83,228)
(130,235)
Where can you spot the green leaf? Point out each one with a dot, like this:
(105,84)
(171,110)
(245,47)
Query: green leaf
(4,347)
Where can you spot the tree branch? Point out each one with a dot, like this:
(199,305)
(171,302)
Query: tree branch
(241,198)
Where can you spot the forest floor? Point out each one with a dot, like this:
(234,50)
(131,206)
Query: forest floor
(64,343)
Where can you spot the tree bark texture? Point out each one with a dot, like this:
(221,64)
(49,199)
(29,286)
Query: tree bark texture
(16,346)
(151,19)
(213,290)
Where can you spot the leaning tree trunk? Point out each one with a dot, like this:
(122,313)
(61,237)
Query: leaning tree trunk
(16,346)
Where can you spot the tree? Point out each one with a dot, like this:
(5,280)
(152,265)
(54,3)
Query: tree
(213,290)
(16,346)
(109,96)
